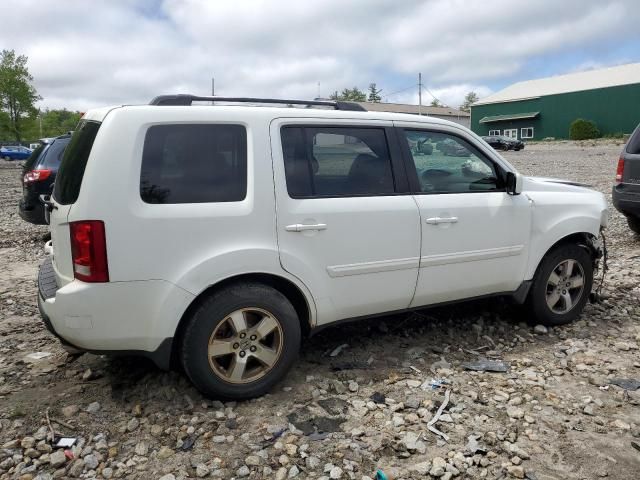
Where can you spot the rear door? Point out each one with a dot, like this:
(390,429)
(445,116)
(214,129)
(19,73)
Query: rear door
(66,191)
(346,225)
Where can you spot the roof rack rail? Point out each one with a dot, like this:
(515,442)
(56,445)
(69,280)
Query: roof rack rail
(187,100)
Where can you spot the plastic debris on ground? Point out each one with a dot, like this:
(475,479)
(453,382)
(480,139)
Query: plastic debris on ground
(336,351)
(626,383)
(485,365)
(434,384)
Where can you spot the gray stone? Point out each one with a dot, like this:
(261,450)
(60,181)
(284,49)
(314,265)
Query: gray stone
(93,407)
(293,472)
(202,470)
(133,424)
(91,462)
(515,412)
(243,471)
(57,459)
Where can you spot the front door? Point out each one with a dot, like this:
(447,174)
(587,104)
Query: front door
(474,234)
(347,226)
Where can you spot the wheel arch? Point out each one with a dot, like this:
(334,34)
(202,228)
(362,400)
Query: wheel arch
(302,305)
(582,239)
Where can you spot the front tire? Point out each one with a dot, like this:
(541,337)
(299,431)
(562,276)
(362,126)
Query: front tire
(240,341)
(561,286)
(634,224)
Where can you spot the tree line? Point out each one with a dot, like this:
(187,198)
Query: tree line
(20,120)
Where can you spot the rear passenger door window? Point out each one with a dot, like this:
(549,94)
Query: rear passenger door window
(194,163)
(446,163)
(336,161)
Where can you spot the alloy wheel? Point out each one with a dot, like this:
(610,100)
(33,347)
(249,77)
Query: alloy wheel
(245,345)
(565,286)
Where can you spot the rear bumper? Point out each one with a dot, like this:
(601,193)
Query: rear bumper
(125,318)
(626,202)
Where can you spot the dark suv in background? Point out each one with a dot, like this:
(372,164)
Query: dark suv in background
(499,142)
(626,191)
(38,174)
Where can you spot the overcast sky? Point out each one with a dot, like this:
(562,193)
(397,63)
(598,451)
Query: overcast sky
(84,54)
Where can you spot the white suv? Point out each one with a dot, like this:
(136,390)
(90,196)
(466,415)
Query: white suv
(217,235)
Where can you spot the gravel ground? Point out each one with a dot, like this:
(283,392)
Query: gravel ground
(553,415)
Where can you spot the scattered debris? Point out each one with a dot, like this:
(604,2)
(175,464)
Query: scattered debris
(65,442)
(626,383)
(434,384)
(484,365)
(380,475)
(432,422)
(189,442)
(378,397)
(473,446)
(336,351)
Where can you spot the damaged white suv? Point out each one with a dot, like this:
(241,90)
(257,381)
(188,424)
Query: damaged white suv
(216,235)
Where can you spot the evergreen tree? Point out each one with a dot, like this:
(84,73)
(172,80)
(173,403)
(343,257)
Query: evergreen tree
(374,94)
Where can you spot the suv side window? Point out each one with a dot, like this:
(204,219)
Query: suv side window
(194,163)
(446,163)
(336,161)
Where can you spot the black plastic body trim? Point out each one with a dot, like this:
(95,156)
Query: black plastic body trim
(518,296)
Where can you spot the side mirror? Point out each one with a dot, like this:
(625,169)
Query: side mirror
(514,183)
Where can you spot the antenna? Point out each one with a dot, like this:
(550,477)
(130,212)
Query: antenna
(419,93)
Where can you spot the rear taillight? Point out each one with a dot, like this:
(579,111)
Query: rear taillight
(33,176)
(89,251)
(620,170)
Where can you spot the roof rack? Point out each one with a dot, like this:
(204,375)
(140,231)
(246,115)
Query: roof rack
(187,100)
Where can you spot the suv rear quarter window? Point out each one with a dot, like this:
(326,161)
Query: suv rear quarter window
(74,162)
(194,163)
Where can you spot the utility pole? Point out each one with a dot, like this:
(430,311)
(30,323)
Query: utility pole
(419,93)
(213,87)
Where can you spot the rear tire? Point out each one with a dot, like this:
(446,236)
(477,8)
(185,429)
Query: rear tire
(240,341)
(561,286)
(634,224)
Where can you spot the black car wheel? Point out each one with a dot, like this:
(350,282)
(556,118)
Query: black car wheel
(240,341)
(561,286)
(634,224)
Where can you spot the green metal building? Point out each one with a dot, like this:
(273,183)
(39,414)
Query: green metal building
(542,108)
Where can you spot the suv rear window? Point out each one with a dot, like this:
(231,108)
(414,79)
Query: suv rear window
(74,162)
(52,157)
(31,161)
(194,163)
(633,146)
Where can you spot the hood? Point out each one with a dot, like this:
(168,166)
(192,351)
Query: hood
(554,184)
